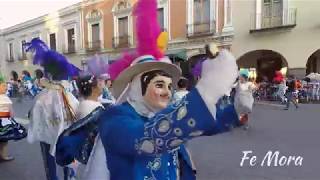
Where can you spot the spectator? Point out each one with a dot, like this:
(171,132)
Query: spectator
(291,83)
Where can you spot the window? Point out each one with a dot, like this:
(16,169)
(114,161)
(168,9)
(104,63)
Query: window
(272,13)
(201,11)
(123,26)
(52,38)
(71,40)
(10,52)
(123,31)
(23,53)
(201,15)
(122,19)
(161,18)
(95,36)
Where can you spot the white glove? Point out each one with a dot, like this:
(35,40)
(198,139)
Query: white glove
(217,78)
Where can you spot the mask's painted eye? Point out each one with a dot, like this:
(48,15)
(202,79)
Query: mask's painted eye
(170,87)
(159,85)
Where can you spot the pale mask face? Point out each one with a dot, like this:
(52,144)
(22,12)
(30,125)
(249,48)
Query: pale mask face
(158,92)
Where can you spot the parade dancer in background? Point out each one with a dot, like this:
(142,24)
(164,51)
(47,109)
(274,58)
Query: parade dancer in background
(98,67)
(73,145)
(39,76)
(80,142)
(54,108)
(106,97)
(243,100)
(291,83)
(9,128)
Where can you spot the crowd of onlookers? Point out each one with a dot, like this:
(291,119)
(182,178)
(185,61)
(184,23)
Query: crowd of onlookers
(24,84)
(303,90)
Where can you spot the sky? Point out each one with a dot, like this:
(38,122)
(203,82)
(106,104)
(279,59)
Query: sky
(17,11)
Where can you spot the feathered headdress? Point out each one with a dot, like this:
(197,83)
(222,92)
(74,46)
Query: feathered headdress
(97,66)
(52,62)
(147,33)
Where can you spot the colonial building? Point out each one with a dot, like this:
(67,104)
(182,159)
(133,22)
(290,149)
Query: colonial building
(277,34)
(108,27)
(61,30)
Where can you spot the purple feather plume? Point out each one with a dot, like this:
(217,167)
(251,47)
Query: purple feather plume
(197,69)
(97,66)
(52,62)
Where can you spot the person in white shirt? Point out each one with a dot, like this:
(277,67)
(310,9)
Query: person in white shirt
(182,91)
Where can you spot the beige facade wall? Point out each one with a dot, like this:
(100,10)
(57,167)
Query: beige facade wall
(295,44)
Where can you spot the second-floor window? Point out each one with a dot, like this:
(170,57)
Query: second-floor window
(95,35)
(272,13)
(10,52)
(23,53)
(123,31)
(160,13)
(71,40)
(201,16)
(52,38)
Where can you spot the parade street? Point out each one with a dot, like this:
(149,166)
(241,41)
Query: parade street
(291,133)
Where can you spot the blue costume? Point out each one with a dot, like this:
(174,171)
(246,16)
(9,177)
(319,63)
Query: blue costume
(147,148)
(154,144)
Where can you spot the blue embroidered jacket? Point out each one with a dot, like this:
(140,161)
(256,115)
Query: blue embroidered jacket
(138,148)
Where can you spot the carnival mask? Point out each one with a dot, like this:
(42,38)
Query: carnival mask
(158,92)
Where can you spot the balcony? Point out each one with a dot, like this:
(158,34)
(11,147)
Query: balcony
(9,59)
(121,41)
(69,49)
(201,29)
(93,46)
(284,20)
(22,57)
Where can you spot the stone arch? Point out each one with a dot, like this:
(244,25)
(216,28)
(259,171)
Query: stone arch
(265,62)
(313,63)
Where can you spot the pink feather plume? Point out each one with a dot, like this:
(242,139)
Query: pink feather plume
(147,32)
(120,64)
(147,28)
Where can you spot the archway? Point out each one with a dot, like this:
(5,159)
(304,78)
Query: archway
(264,62)
(313,63)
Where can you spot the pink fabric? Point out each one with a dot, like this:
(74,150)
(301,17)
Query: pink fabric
(147,32)
(147,28)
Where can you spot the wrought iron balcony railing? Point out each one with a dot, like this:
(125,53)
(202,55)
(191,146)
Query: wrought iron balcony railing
(277,20)
(201,29)
(22,57)
(93,46)
(121,41)
(69,49)
(9,59)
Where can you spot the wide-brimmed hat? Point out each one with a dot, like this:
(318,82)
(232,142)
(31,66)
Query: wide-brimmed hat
(144,64)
